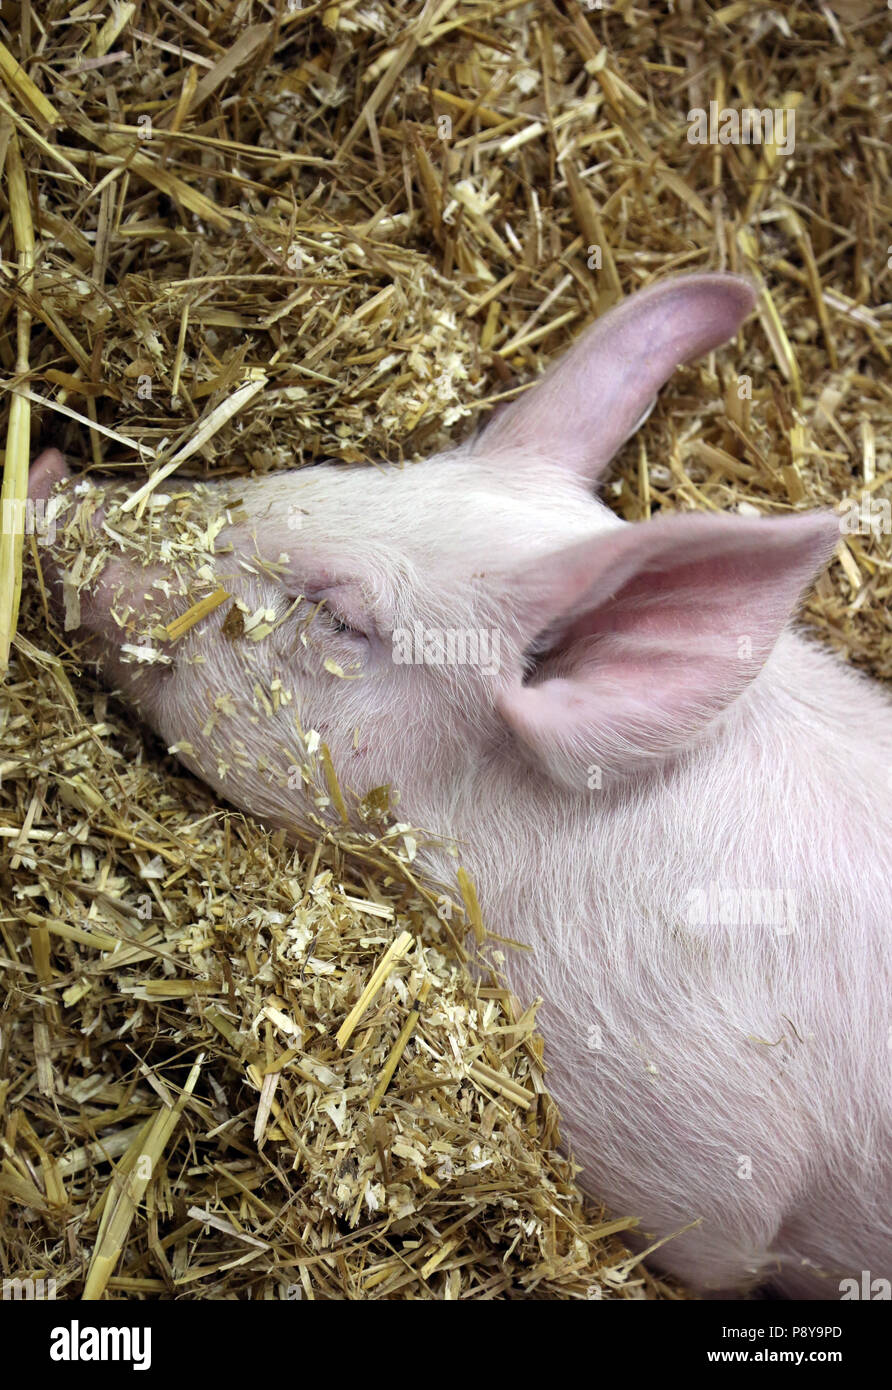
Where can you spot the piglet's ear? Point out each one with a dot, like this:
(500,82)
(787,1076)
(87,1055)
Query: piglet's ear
(598,393)
(647,634)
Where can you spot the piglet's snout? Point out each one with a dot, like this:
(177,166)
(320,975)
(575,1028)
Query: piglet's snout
(47,469)
(50,512)
(85,574)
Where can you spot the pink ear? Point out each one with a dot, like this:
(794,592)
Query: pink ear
(651,631)
(597,394)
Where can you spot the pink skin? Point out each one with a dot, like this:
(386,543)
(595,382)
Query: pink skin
(682,805)
(47,469)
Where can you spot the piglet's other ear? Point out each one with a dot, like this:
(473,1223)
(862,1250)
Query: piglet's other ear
(647,634)
(597,394)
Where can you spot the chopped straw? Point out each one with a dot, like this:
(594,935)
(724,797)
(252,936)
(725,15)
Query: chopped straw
(397,948)
(195,613)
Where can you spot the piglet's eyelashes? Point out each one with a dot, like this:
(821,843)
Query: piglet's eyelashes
(339,624)
(341,608)
(327,612)
(319,617)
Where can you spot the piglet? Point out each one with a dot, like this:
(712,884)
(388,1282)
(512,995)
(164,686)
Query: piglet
(681,804)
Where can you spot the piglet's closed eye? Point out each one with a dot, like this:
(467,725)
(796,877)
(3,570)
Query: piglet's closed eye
(652,631)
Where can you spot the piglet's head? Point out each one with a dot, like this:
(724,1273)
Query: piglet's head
(424,620)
